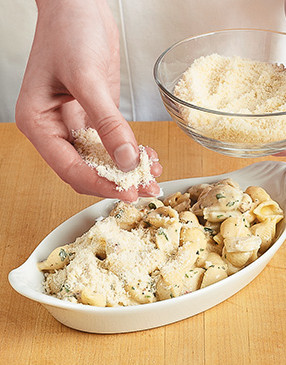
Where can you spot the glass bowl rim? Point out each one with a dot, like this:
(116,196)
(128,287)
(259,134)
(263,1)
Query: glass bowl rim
(207,110)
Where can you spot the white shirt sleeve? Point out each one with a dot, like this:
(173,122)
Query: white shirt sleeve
(147,28)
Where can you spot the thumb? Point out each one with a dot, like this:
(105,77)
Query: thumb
(113,129)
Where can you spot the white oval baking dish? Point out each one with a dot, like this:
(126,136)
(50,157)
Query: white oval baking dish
(27,279)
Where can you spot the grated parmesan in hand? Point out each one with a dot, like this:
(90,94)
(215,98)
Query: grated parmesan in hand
(89,146)
(235,85)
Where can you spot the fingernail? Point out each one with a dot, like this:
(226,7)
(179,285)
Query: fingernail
(126,157)
(156,191)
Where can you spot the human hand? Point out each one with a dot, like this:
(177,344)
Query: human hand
(71,82)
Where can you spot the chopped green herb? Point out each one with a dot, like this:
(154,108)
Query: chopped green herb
(63,254)
(132,287)
(186,275)
(147,296)
(230,204)
(119,214)
(67,287)
(220,196)
(211,266)
(161,232)
(207,229)
(147,224)
(219,216)
(171,295)
(152,206)
(202,249)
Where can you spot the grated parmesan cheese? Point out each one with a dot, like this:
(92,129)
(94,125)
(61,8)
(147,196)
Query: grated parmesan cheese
(89,146)
(130,258)
(235,85)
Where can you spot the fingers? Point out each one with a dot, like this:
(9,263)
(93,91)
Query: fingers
(65,161)
(156,168)
(51,139)
(115,133)
(153,189)
(72,169)
(83,179)
(73,117)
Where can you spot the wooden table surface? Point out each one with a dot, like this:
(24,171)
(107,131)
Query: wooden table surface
(248,328)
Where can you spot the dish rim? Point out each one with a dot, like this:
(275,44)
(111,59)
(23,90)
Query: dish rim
(48,300)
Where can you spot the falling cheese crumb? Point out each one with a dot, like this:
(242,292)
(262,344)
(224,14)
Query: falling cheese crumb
(89,146)
(235,85)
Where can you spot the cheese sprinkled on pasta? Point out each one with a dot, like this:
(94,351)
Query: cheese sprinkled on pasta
(155,250)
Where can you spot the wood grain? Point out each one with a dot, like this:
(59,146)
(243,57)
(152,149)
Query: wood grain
(248,328)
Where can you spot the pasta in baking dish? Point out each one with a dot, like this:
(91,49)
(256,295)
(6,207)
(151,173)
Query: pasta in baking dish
(154,250)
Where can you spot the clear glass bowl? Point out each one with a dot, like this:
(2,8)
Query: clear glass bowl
(258,45)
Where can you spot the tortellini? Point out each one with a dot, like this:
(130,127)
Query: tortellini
(155,250)
(213,274)
(180,202)
(91,298)
(126,214)
(162,217)
(56,260)
(220,201)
